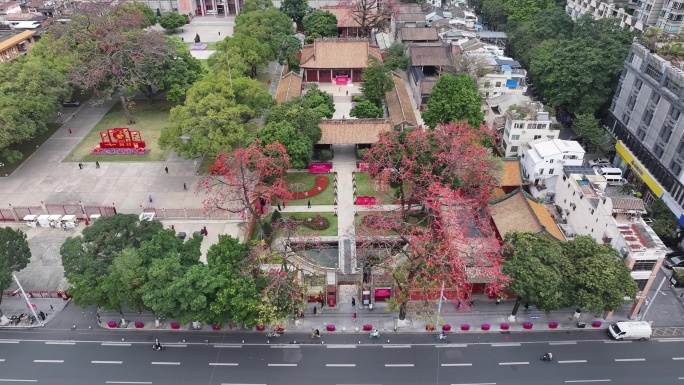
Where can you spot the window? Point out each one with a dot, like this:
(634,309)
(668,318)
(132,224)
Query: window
(637,84)
(641,134)
(680,149)
(643,265)
(653,73)
(551,161)
(515,137)
(641,283)
(537,137)
(648,7)
(541,171)
(552,171)
(658,150)
(498,84)
(631,101)
(665,133)
(514,149)
(625,118)
(519,125)
(674,113)
(675,167)
(646,119)
(655,97)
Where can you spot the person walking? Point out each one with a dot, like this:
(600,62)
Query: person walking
(315,309)
(97,164)
(279,207)
(472,302)
(185,187)
(498,300)
(149,197)
(69,130)
(354,316)
(458,305)
(309,203)
(80,165)
(166,169)
(353,301)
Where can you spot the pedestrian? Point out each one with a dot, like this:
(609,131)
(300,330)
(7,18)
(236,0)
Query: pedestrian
(458,305)
(309,203)
(150,198)
(64,226)
(174,229)
(205,231)
(498,300)
(301,314)
(80,165)
(353,301)
(182,39)
(185,187)
(219,33)
(279,207)
(283,205)
(52,308)
(97,164)
(472,302)
(315,310)
(166,169)
(354,316)
(322,301)
(347,93)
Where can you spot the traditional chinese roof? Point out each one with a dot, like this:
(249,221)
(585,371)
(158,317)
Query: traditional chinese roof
(419,34)
(290,86)
(338,53)
(353,131)
(511,173)
(24,17)
(399,104)
(16,39)
(8,5)
(435,56)
(519,211)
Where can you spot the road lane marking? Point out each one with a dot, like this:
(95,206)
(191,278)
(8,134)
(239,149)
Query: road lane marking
(617,342)
(282,364)
(8,342)
(395,346)
(398,365)
(114,344)
(225,383)
(479,383)
(228,346)
(507,344)
(60,343)
(2,360)
(677,358)
(573,362)
(165,363)
(341,365)
(606,380)
(341,346)
(49,361)
(452,346)
(175,345)
(222,364)
(514,363)
(106,362)
(563,343)
(13,380)
(128,382)
(284,346)
(669,339)
(457,364)
(629,359)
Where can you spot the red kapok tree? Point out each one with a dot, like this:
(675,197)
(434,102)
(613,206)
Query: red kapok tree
(248,180)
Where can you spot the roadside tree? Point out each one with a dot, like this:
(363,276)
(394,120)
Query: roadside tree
(264,25)
(395,57)
(304,118)
(320,101)
(173,20)
(454,99)
(288,48)
(15,255)
(295,10)
(595,138)
(242,55)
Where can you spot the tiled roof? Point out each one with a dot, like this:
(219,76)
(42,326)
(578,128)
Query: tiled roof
(408,8)
(518,211)
(419,34)
(24,17)
(628,204)
(353,131)
(290,86)
(338,53)
(18,38)
(8,5)
(399,104)
(429,56)
(511,172)
(416,17)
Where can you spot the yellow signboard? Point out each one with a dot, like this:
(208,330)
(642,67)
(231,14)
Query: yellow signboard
(639,169)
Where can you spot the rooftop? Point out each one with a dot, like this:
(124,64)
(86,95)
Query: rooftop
(511,172)
(435,56)
(9,39)
(419,34)
(338,53)
(399,104)
(289,87)
(549,147)
(519,211)
(344,18)
(353,131)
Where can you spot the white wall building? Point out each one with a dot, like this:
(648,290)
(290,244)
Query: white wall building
(600,10)
(523,127)
(543,160)
(592,208)
(505,80)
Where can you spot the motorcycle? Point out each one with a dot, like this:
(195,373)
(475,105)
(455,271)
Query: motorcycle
(272,334)
(441,336)
(547,357)
(158,348)
(374,334)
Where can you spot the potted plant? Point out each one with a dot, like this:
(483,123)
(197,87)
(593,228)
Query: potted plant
(485,326)
(596,324)
(505,326)
(553,325)
(463,327)
(367,327)
(528,325)
(260,328)
(430,328)
(139,325)
(112,324)
(215,327)
(330,327)
(175,325)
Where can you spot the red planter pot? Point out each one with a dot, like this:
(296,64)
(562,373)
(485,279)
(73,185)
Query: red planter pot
(367,328)
(464,327)
(553,325)
(260,328)
(215,327)
(505,327)
(446,328)
(330,328)
(139,326)
(175,327)
(111,326)
(596,324)
(527,327)
(485,327)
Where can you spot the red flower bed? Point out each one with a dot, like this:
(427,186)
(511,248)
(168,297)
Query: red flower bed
(215,327)
(330,328)
(485,326)
(260,328)
(429,328)
(446,328)
(367,327)
(321,185)
(505,326)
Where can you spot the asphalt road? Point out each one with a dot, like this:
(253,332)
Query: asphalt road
(26,358)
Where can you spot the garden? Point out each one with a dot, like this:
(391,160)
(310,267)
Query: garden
(150,119)
(303,181)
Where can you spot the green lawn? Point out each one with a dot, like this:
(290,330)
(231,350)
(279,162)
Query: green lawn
(366,187)
(303,230)
(308,182)
(419,221)
(28,148)
(149,120)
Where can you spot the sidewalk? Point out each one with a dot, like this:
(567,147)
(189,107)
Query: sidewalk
(17,306)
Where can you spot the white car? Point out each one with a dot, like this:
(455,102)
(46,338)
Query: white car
(601,162)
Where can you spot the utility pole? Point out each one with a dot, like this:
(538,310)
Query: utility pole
(28,302)
(439,308)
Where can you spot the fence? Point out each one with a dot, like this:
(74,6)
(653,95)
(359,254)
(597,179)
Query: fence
(35,294)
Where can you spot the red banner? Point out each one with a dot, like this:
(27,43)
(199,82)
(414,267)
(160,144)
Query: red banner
(320,168)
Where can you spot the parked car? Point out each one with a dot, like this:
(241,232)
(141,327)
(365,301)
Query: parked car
(671,262)
(600,162)
(71,103)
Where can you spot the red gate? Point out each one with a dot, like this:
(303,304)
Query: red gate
(7,216)
(104,211)
(64,209)
(23,211)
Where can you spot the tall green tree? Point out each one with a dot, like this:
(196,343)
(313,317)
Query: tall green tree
(395,57)
(366,110)
(173,20)
(600,281)
(243,55)
(288,47)
(256,5)
(298,147)
(377,82)
(320,101)
(295,10)
(319,24)
(15,255)
(523,10)
(304,118)
(550,23)
(264,25)
(453,99)
(595,138)
(538,269)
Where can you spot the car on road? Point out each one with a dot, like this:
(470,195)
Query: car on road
(672,261)
(71,103)
(600,162)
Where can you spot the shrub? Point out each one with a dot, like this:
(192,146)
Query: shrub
(553,325)
(527,325)
(268,230)
(361,151)
(372,221)
(175,325)
(596,324)
(112,324)
(325,155)
(275,217)
(505,326)
(139,324)
(485,326)
(464,327)
(317,223)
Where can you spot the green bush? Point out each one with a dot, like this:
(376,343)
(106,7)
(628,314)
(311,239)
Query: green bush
(360,152)
(268,231)
(325,155)
(275,217)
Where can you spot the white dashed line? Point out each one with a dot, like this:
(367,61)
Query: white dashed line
(452,346)
(129,382)
(49,361)
(341,365)
(228,346)
(629,359)
(510,344)
(13,380)
(282,364)
(514,363)
(60,343)
(106,362)
(573,362)
(165,363)
(457,364)
(222,364)
(398,365)
(114,344)
(563,343)
(395,346)
(284,346)
(575,381)
(341,346)
(9,342)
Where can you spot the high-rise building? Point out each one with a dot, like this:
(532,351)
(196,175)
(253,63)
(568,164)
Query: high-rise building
(667,15)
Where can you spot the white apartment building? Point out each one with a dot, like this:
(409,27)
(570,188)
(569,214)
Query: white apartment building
(542,162)
(590,207)
(600,10)
(522,127)
(504,80)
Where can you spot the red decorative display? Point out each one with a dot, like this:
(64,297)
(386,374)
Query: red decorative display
(121,138)
(320,168)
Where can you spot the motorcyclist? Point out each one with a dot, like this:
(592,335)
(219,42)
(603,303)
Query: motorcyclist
(316,334)
(157,345)
(375,333)
(549,356)
(442,335)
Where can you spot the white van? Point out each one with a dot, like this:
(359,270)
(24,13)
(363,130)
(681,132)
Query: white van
(612,174)
(630,330)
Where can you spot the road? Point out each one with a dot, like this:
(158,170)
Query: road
(85,357)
